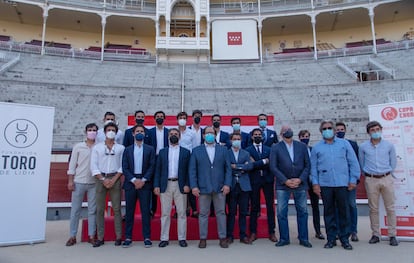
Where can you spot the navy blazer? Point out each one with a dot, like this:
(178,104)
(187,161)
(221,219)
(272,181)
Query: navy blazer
(129,137)
(243,166)
(271,138)
(256,176)
(161,169)
(148,165)
(283,168)
(225,138)
(153,137)
(206,176)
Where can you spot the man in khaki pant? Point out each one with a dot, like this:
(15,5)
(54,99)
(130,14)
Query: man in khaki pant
(378,160)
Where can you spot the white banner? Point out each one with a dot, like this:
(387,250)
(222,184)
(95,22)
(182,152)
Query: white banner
(397,120)
(25,153)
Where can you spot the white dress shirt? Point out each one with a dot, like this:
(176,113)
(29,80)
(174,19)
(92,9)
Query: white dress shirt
(80,163)
(160,139)
(104,160)
(188,139)
(211,151)
(173,157)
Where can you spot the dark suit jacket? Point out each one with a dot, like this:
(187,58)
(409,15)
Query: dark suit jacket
(354,146)
(153,137)
(148,165)
(225,138)
(209,177)
(283,168)
(161,169)
(129,138)
(241,172)
(256,176)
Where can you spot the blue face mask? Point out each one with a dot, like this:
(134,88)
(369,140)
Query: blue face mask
(263,123)
(376,135)
(210,138)
(139,137)
(236,127)
(236,143)
(305,141)
(327,134)
(340,134)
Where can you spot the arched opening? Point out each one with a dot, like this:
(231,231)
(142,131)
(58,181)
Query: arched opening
(182,20)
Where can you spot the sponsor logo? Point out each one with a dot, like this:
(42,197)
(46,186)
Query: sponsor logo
(21,133)
(234,38)
(389,113)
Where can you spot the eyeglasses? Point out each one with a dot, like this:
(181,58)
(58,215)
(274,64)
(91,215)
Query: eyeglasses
(109,152)
(326,128)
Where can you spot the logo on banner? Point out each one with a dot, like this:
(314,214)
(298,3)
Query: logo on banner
(21,133)
(234,38)
(389,113)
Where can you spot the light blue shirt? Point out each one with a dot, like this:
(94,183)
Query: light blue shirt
(289,148)
(334,164)
(377,159)
(138,157)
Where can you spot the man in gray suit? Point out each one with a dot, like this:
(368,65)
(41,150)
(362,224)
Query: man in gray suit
(210,179)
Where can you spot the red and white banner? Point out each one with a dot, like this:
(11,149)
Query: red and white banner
(397,120)
(248,123)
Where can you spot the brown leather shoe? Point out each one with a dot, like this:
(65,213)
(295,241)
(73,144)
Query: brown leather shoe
(252,237)
(273,237)
(223,243)
(203,243)
(246,241)
(71,241)
(91,240)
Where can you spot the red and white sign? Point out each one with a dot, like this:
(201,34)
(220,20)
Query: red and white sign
(234,38)
(397,120)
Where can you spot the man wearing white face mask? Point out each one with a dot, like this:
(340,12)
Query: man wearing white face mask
(334,172)
(106,167)
(109,117)
(378,161)
(188,136)
(80,182)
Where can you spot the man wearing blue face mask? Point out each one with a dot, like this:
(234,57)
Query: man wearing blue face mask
(210,180)
(236,125)
(138,164)
(353,210)
(378,161)
(334,172)
(129,136)
(269,136)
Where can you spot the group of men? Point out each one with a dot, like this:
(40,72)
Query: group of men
(226,174)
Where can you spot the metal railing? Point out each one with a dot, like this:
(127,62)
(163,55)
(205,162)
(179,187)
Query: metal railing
(9,59)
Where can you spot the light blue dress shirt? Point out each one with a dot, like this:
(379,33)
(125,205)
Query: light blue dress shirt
(377,159)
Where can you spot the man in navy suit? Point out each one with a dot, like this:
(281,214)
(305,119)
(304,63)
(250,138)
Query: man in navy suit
(222,137)
(171,183)
(138,164)
(210,179)
(289,162)
(261,179)
(129,134)
(240,188)
(235,124)
(158,137)
(269,136)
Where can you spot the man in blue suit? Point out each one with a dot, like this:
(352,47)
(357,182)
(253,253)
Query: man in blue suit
(171,183)
(289,162)
(261,179)
(269,136)
(235,124)
(138,164)
(240,188)
(210,179)
(129,134)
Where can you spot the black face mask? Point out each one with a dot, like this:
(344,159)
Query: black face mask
(216,124)
(197,120)
(159,121)
(139,121)
(173,139)
(257,139)
(288,134)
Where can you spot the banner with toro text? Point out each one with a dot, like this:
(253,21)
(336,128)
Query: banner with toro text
(26,142)
(397,120)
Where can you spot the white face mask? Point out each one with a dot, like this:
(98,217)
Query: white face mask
(110,135)
(108,121)
(182,122)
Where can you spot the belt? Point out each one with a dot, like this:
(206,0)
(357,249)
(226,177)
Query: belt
(377,175)
(173,179)
(108,174)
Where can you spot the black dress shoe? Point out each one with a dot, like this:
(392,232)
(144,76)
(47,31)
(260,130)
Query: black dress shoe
(118,242)
(163,244)
(354,237)
(374,239)
(330,244)
(282,243)
(182,243)
(320,236)
(98,243)
(393,241)
(305,243)
(347,246)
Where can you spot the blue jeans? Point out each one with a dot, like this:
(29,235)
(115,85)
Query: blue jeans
(299,197)
(353,211)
